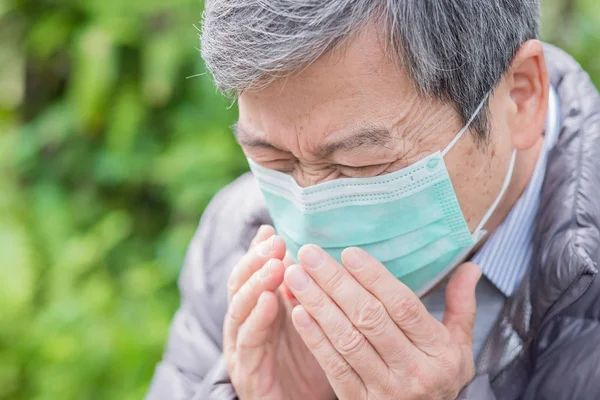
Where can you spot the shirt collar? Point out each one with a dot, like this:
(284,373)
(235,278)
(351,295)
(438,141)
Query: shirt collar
(506,255)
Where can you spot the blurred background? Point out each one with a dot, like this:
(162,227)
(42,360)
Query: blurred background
(111,145)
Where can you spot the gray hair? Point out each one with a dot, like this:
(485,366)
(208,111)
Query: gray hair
(454,50)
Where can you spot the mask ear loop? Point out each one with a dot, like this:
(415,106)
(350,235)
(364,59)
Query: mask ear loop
(466,127)
(494,205)
(507,179)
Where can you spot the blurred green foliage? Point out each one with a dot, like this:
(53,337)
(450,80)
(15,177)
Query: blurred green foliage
(108,155)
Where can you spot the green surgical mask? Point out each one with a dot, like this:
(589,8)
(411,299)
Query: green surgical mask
(409,220)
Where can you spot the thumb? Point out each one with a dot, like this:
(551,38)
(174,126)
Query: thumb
(461,305)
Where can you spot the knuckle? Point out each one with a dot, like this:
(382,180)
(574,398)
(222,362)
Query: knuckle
(335,281)
(374,279)
(240,299)
(406,311)
(255,280)
(371,317)
(234,315)
(246,342)
(319,344)
(244,345)
(241,303)
(322,345)
(338,369)
(351,342)
(386,390)
(420,391)
(420,384)
(241,269)
(318,304)
(250,286)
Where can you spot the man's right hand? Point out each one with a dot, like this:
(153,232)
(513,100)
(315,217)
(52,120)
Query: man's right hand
(266,358)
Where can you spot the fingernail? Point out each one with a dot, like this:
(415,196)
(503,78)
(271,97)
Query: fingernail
(266,247)
(297,278)
(261,231)
(265,271)
(302,317)
(353,259)
(312,256)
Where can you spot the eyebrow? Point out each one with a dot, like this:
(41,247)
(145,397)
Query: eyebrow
(247,140)
(370,136)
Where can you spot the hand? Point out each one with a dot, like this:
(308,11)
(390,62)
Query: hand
(372,335)
(266,358)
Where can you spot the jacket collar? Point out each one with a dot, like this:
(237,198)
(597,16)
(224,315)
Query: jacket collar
(567,239)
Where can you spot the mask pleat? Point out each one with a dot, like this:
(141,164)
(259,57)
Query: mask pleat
(393,248)
(306,199)
(355,225)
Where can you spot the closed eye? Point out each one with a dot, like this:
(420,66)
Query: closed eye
(363,171)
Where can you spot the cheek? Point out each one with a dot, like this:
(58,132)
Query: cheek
(475,179)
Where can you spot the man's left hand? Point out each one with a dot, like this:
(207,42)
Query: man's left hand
(372,335)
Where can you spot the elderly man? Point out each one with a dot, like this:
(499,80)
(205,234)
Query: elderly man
(412,156)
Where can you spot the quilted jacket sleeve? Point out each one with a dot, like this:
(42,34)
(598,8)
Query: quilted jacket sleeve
(567,360)
(193,367)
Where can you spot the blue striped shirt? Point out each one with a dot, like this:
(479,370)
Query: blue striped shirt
(506,255)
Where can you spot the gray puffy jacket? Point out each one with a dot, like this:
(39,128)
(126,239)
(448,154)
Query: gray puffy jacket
(546,342)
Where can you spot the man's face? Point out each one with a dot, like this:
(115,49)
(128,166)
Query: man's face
(355,113)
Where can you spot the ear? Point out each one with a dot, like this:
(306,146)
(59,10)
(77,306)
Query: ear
(528,88)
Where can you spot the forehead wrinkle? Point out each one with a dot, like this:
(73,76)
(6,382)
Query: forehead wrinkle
(429,129)
(247,139)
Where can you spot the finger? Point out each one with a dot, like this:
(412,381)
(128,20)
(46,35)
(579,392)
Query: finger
(401,303)
(287,293)
(363,309)
(348,341)
(255,332)
(344,381)
(461,304)
(274,247)
(244,301)
(263,233)
(288,260)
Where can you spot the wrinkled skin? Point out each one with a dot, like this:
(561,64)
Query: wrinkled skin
(266,358)
(355,113)
(372,335)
